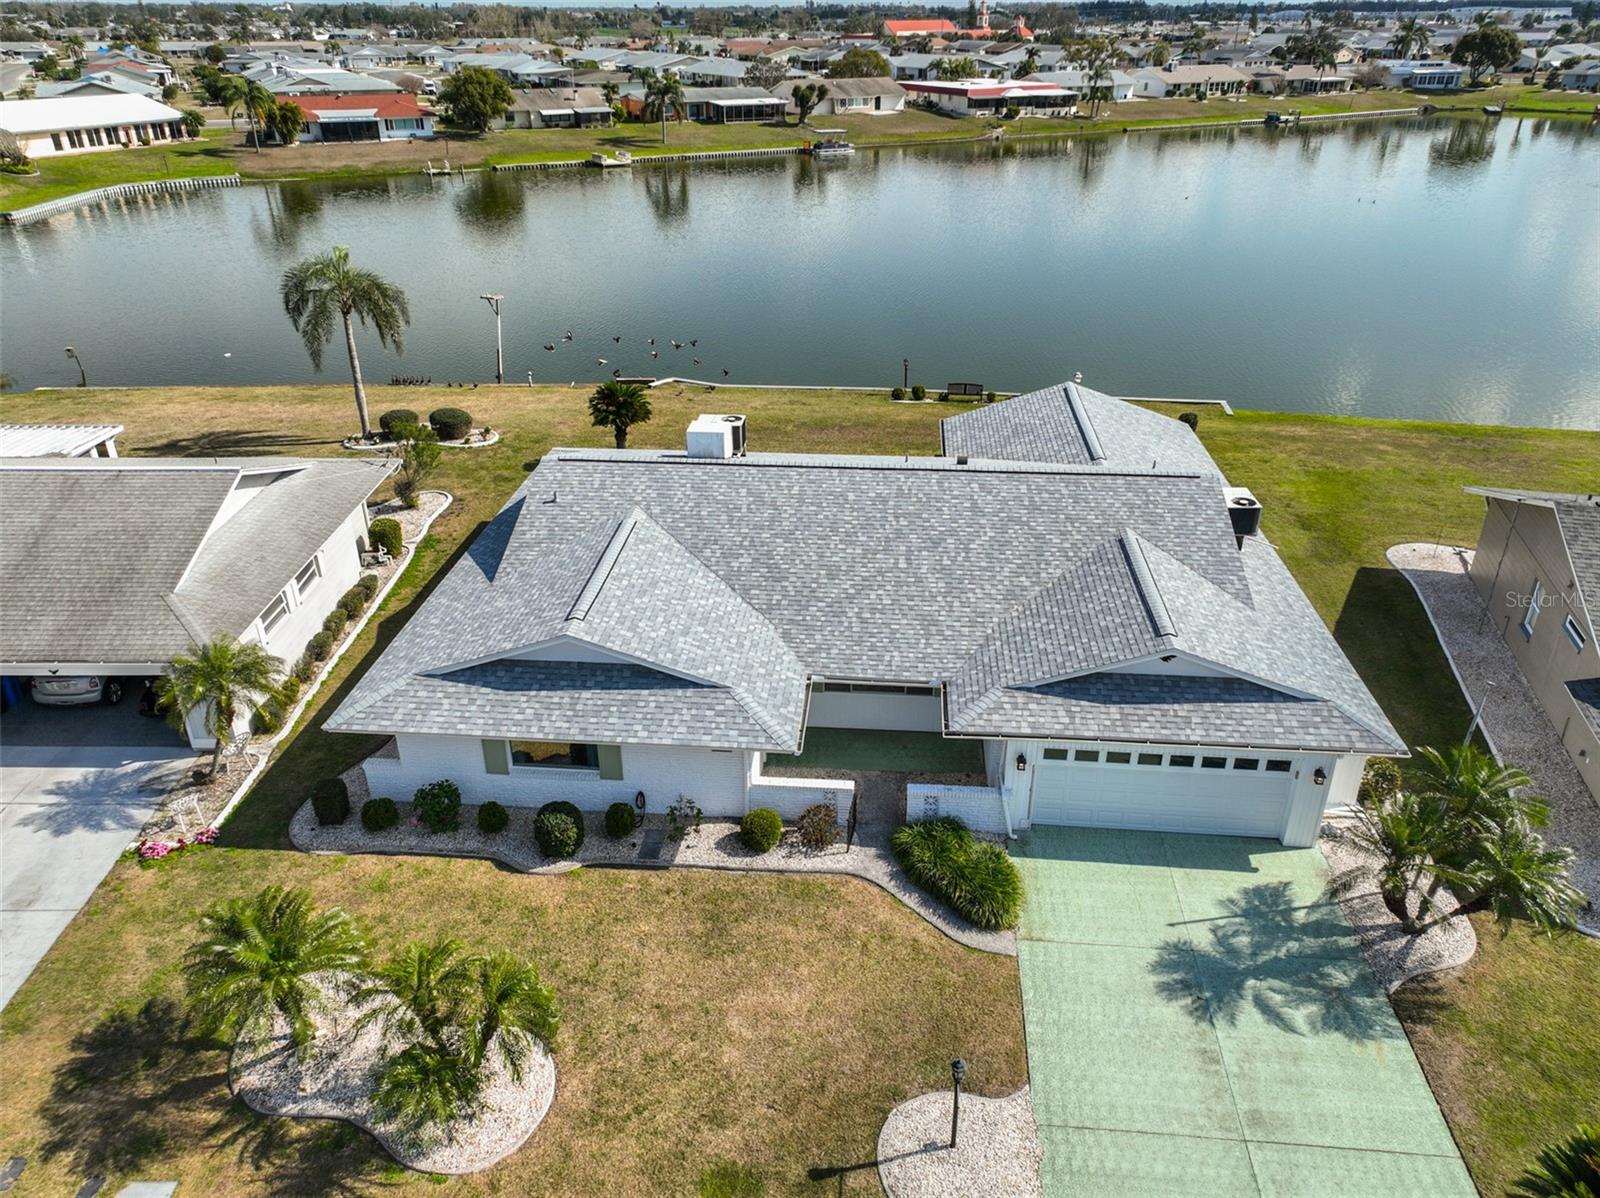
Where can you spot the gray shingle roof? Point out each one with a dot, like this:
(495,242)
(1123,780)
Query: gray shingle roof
(1586,694)
(1071,423)
(1579,519)
(95,549)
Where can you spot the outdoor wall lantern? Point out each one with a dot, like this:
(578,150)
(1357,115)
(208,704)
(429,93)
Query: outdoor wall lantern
(1319,776)
(638,801)
(1022,762)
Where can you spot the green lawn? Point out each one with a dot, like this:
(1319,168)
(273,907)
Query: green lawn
(70,173)
(1337,492)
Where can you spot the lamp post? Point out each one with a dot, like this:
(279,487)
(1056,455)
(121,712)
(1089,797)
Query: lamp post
(905,374)
(958,1073)
(83,379)
(499,354)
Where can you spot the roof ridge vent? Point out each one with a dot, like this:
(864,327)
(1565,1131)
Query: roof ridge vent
(1080,416)
(603,566)
(1145,579)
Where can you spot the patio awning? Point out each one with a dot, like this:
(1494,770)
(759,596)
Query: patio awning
(555,111)
(592,110)
(751,102)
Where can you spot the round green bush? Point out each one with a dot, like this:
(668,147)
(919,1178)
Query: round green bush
(394,418)
(558,829)
(386,535)
(620,820)
(450,423)
(336,622)
(378,815)
(492,818)
(438,805)
(918,391)
(897,393)
(761,829)
(319,646)
(369,585)
(1380,781)
(975,878)
(1192,419)
(288,691)
(331,801)
(266,719)
(352,601)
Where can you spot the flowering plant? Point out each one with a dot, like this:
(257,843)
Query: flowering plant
(150,851)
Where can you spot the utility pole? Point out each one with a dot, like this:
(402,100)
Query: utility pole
(499,352)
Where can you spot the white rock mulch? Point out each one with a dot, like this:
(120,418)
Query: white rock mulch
(997,1150)
(1395,956)
(336,1083)
(478,438)
(1515,723)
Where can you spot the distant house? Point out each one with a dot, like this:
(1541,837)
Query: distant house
(1299,80)
(1585,77)
(1423,76)
(1173,80)
(849,96)
(731,105)
(59,440)
(184,550)
(712,72)
(25,51)
(557,108)
(285,80)
(1238,55)
(393,116)
(993,97)
(1113,85)
(922,28)
(1537,569)
(83,124)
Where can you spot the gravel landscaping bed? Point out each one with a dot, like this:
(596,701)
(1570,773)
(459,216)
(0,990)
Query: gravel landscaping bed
(336,1083)
(997,1151)
(1395,956)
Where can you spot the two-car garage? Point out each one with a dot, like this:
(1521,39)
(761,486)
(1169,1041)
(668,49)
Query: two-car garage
(1176,789)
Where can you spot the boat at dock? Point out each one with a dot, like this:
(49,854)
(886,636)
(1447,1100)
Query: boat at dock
(830,148)
(622,158)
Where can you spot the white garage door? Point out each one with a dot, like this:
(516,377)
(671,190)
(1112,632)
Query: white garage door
(1160,790)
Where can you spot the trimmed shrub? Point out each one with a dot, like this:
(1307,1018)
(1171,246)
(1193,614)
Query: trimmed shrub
(306,668)
(352,601)
(918,391)
(266,719)
(319,646)
(288,692)
(386,535)
(897,393)
(450,423)
(558,829)
(1192,419)
(989,397)
(818,826)
(620,820)
(761,829)
(368,585)
(336,622)
(331,801)
(438,805)
(1380,782)
(492,818)
(394,418)
(379,815)
(975,878)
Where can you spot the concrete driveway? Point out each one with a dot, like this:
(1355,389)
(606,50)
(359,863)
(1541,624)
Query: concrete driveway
(1201,1021)
(68,807)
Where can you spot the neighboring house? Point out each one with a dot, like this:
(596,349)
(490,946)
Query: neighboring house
(1423,76)
(1245,57)
(391,117)
(848,97)
(113,567)
(100,83)
(1173,80)
(1299,80)
(557,108)
(1113,85)
(712,72)
(1537,568)
(730,105)
(1585,77)
(289,81)
(1071,583)
(993,97)
(926,28)
(29,52)
(82,124)
(519,70)
(59,440)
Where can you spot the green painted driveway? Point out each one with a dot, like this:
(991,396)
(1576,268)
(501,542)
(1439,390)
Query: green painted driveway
(1200,1021)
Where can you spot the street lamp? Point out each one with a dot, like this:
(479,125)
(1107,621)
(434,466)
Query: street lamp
(83,379)
(905,374)
(958,1074)
(499,354)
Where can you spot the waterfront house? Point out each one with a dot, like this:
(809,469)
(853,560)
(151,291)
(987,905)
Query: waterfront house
(993,97)
(1584,77)
(1298,80)
(1423,76)
(1070,584)
(1537,569)
(557,108)
(394,116)
(873,97)
(731,105)
(1112,85)
(1174,80)
(113,566)
(84,124)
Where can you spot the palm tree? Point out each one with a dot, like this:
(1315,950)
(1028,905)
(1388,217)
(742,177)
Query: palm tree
(1570,1169)
(619,406)
(425,1085)
(224,679)
(1476,787)
(319,289)
(1513,874)
(662,93)
(420,992)
(512,1009)
(1099,53)
(1409,33)
(259,957)
(1401,834)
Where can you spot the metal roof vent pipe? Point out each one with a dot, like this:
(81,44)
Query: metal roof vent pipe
(1244,512)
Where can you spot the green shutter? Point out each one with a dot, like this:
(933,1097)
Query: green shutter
(495,758)
(610,759)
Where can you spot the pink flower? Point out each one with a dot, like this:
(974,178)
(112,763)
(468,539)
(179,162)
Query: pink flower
(206,836)
(150,850)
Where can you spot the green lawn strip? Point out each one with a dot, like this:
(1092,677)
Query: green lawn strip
(68,174)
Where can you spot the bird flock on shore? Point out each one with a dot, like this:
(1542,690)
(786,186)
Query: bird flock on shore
(651,343)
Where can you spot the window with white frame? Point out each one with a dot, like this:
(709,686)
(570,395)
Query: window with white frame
(307,578)
(1535,601)
(274,613)
(1575,634)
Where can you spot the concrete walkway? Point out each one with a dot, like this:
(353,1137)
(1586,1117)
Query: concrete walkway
(1515,724)
(1200,1020)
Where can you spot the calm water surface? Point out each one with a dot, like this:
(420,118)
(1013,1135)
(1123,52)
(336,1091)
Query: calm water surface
(1438,269)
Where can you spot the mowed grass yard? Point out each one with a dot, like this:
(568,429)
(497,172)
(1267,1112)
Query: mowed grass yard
(766,1021)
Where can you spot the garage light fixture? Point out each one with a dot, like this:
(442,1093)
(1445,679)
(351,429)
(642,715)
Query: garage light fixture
(1319,776)
(1022,762)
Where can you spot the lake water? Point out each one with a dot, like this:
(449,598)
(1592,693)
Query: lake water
(1445,269)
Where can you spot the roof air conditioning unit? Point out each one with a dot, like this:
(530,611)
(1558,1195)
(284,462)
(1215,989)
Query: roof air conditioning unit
(716,436)
(1244,511)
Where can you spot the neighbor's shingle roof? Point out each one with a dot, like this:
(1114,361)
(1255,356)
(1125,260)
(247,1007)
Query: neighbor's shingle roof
(1586,694)
(1579,519)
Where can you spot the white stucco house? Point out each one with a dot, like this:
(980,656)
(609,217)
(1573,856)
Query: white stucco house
(111,567)
(1070,584)
(82,124)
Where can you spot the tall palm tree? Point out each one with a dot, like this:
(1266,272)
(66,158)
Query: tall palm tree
(619,406)
(1099,54)
(225,679)
(263,956)
(1410,34)
(512,1010)
(320,289)
(663,93)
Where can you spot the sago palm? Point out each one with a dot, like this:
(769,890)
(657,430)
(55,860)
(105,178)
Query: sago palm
(426,1085)
(1513,875)
(329,288)
(259,957)
(1402,834)
(421,992)
(1476,787)
(619,406)
(1570,1169)
(511,1010)
(226,679)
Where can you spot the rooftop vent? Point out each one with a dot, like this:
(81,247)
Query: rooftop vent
(716,437)
(1244,511)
